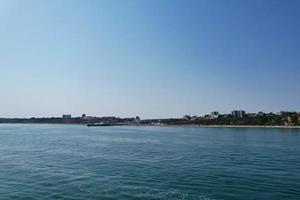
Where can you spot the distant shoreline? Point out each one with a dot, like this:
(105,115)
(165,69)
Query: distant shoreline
(231,126)
(173,125)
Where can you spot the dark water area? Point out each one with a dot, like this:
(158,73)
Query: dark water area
(77,162)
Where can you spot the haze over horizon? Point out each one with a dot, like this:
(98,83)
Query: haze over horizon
(154,59)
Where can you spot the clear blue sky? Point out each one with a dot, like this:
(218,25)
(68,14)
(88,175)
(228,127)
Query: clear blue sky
(153,58)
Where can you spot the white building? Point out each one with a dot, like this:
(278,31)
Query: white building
(214,114)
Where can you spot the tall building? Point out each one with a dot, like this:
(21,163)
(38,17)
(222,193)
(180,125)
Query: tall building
(238,113)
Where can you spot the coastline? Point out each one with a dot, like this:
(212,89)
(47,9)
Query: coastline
(172,125)
(232,126)
(253,126)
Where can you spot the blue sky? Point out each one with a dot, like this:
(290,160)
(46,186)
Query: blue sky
(153,58)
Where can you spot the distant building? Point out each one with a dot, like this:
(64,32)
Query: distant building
(206,116)
(194,118)
(85,117)
(238,113)
(251,114)
(289,119)
(137,119)
(214,114)
(283,112)
(67,116)
(225,115)
(260,113)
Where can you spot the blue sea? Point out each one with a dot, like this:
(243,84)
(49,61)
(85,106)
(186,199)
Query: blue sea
(73,162)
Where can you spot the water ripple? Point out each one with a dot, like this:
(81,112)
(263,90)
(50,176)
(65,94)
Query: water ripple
(76,162)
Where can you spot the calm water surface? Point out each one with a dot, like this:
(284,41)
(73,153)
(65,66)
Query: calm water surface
(77,162)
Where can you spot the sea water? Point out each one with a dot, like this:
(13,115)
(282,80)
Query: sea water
(127,162)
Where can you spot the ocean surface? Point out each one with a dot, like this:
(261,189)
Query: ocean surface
(77,162)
